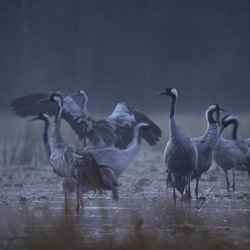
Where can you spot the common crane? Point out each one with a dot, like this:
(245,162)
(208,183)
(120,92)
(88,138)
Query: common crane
(180,154)
(116,129)
(69,184)
(206,143)
(231,154)
(72,163)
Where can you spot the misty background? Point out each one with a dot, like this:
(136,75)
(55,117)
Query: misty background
(126,50)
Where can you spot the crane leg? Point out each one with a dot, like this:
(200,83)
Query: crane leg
(66,199)
(197,188)
(78,192)
(77,200)
(225,171)
(233,186)
(189,190)
(174,194)
(81,201)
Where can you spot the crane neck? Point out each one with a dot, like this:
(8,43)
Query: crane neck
(58,114)
(218,117)
(84,105)
(210,118)
(172,105)
(175,131)
(56,132)
(235,129)
(45,137)
(137,138)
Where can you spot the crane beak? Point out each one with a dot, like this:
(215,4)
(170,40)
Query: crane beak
(44,100)
(220,132)
(224,110)
(33,119)
(163,92)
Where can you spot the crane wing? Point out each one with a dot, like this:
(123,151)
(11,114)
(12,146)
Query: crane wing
(117,129)
(124,119)
(152,133)
(29,106)
(123,122)
(99,133)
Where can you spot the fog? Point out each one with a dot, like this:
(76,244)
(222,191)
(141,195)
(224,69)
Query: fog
(126,50)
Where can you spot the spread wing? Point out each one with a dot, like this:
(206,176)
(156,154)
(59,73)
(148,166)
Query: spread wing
(124,119)
(123,122)
(99,133)
(29,106)
(153,133)
(117,129)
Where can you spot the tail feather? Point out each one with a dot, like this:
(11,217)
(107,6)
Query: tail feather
(176,181)
(93,173)
(109,180)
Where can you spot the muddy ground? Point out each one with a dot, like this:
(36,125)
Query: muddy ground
(33,215)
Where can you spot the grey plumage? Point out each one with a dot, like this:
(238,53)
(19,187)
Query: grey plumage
(180,154)
(116,129)
(123,119)
(97,132)
(205,144)
(119,159)
(231,154)
(69,184)
(72,163)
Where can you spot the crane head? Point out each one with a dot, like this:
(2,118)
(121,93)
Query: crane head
(171,91)
(226,121)
(216,107)
(44,116)
(54,97)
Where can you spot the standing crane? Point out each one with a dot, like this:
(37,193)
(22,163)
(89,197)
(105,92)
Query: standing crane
(180,154)
(117,159)
(71,163)
(206,143)
(69,184)
(232,154)
(117,129)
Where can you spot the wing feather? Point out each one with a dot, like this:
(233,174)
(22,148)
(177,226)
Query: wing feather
(99,133)
(124,119)
(117,129)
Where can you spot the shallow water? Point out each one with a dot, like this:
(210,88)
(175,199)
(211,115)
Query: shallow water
(33,213)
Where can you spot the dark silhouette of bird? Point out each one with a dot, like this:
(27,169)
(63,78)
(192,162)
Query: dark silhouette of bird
(117,129)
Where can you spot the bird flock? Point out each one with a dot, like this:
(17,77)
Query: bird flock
(109,145)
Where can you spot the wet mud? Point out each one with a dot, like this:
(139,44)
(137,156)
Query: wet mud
(34,216)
